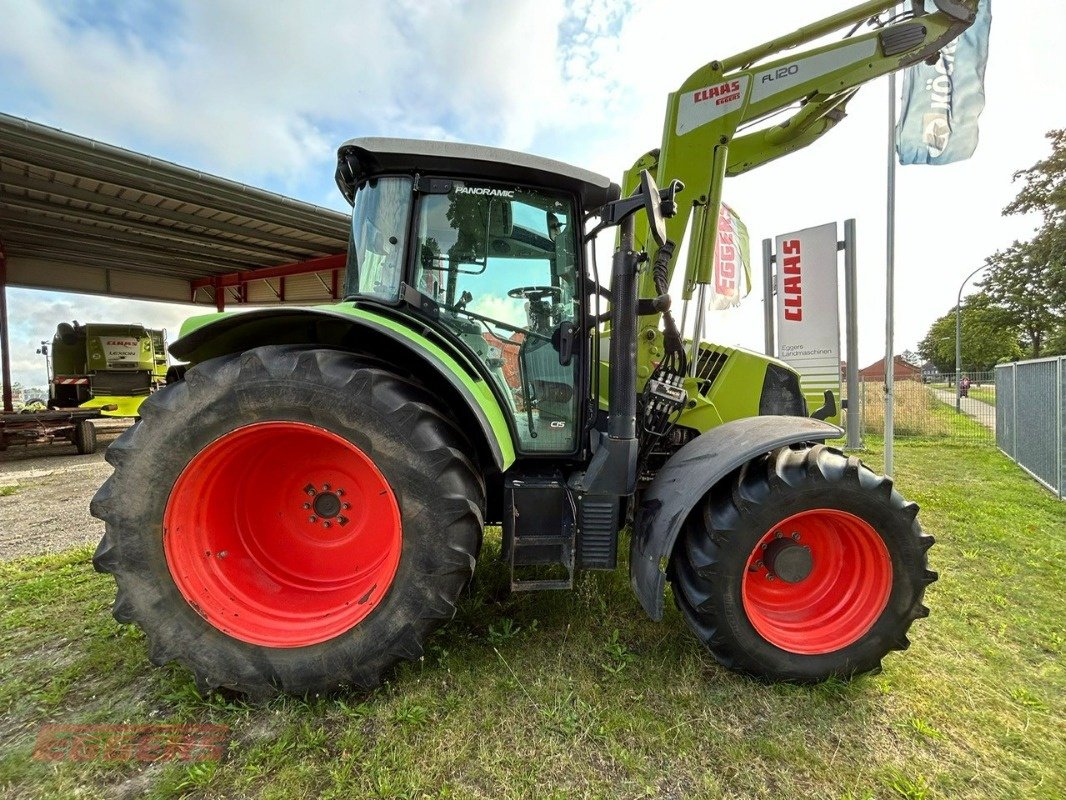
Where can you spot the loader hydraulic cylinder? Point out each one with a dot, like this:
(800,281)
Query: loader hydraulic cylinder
(622,402)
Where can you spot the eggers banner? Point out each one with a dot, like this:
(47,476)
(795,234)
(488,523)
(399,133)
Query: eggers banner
(732,261)
(808,312)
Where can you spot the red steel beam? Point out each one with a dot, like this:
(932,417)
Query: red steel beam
(320,264)
(5,341)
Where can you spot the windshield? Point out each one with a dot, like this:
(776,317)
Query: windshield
(500,262)
(379,229)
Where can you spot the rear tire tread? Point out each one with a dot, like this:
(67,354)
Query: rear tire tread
(458,514)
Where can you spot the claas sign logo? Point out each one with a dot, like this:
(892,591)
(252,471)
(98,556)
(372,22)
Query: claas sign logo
(792,267)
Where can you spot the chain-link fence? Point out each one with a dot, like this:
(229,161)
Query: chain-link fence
(1031,417)
(937,407)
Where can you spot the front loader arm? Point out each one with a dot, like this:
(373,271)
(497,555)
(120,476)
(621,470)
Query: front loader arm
(701,145)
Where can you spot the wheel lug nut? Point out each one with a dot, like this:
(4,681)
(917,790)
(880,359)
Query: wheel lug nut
(340,492)
(769,576)
(312,518)
(347,505)
(325,524)
(307,506)
(764,545)
(795,537)
(325,487)
(778,534)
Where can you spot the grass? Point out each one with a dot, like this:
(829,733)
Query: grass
(986,394)
(917,412)
(8,491)
(577,694)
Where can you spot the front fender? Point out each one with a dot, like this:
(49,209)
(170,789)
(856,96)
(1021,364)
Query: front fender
(467,396)
(688,475)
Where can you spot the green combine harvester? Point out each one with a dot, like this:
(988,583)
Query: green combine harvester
(107,366)
(305,507)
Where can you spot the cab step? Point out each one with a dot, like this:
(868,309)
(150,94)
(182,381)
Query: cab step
(539,531)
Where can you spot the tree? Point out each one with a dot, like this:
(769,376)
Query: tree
(1029,278)
(988,337)
(1045,183)
(911,358)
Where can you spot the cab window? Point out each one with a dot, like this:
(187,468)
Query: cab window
(500,263)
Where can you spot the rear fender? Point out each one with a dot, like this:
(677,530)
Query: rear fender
(687,477)
(345,327)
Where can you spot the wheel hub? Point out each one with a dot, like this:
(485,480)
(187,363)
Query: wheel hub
(788,560)
(325,505)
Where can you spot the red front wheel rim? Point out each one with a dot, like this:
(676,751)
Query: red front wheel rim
(282,534)
(817,582)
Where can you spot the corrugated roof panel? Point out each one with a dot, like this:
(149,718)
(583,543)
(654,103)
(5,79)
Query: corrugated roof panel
(70,204)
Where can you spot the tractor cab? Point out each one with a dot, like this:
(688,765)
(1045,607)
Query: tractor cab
(486,245)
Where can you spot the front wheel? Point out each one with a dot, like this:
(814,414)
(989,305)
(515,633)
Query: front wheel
(289,518)
(803,565)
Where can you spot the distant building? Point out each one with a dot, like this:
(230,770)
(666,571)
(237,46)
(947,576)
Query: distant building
(902,371)
(930,373)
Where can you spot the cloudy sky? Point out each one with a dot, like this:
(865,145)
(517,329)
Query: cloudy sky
(263,93)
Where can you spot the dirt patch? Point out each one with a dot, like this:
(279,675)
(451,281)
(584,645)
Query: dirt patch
(44,507)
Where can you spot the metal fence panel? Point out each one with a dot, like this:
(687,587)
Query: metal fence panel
(1036,434)
(1031,418)
(1061,433)
(1005,409)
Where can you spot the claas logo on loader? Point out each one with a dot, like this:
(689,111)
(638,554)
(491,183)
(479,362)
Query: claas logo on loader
(723,93)
(792,268)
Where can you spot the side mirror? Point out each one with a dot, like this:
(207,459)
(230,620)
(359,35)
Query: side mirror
(653,207)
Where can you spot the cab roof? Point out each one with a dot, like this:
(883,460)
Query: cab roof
(358,159)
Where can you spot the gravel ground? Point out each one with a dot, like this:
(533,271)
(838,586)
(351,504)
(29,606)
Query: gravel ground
(49,509)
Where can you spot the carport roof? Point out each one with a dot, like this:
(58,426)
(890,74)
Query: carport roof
(84,216)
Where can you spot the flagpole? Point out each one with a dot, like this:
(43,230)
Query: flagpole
(890,279)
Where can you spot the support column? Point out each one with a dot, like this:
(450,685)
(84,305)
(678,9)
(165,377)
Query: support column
(769,310)
(851,328)
(5,338)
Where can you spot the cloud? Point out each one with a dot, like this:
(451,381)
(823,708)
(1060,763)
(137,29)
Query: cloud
(505,309)
(264,93)
(269,91)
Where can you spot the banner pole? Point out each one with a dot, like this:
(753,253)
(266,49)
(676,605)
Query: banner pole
(890,279)
(769,309)
(851,328)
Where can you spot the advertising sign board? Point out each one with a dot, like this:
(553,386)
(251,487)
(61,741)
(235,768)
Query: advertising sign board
(808,312)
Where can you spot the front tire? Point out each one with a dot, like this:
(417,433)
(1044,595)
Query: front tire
(289,518)
(801,566)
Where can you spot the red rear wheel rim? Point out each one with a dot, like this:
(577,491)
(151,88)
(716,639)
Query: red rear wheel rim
(282,534)
(838,602)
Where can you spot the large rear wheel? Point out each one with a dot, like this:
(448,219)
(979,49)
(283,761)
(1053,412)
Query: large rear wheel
(803,565)
(289,518)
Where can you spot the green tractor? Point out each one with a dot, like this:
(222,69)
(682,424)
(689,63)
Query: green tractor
(109,366)
(307,504)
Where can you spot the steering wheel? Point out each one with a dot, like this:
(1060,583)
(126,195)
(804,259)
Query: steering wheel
(536,293)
